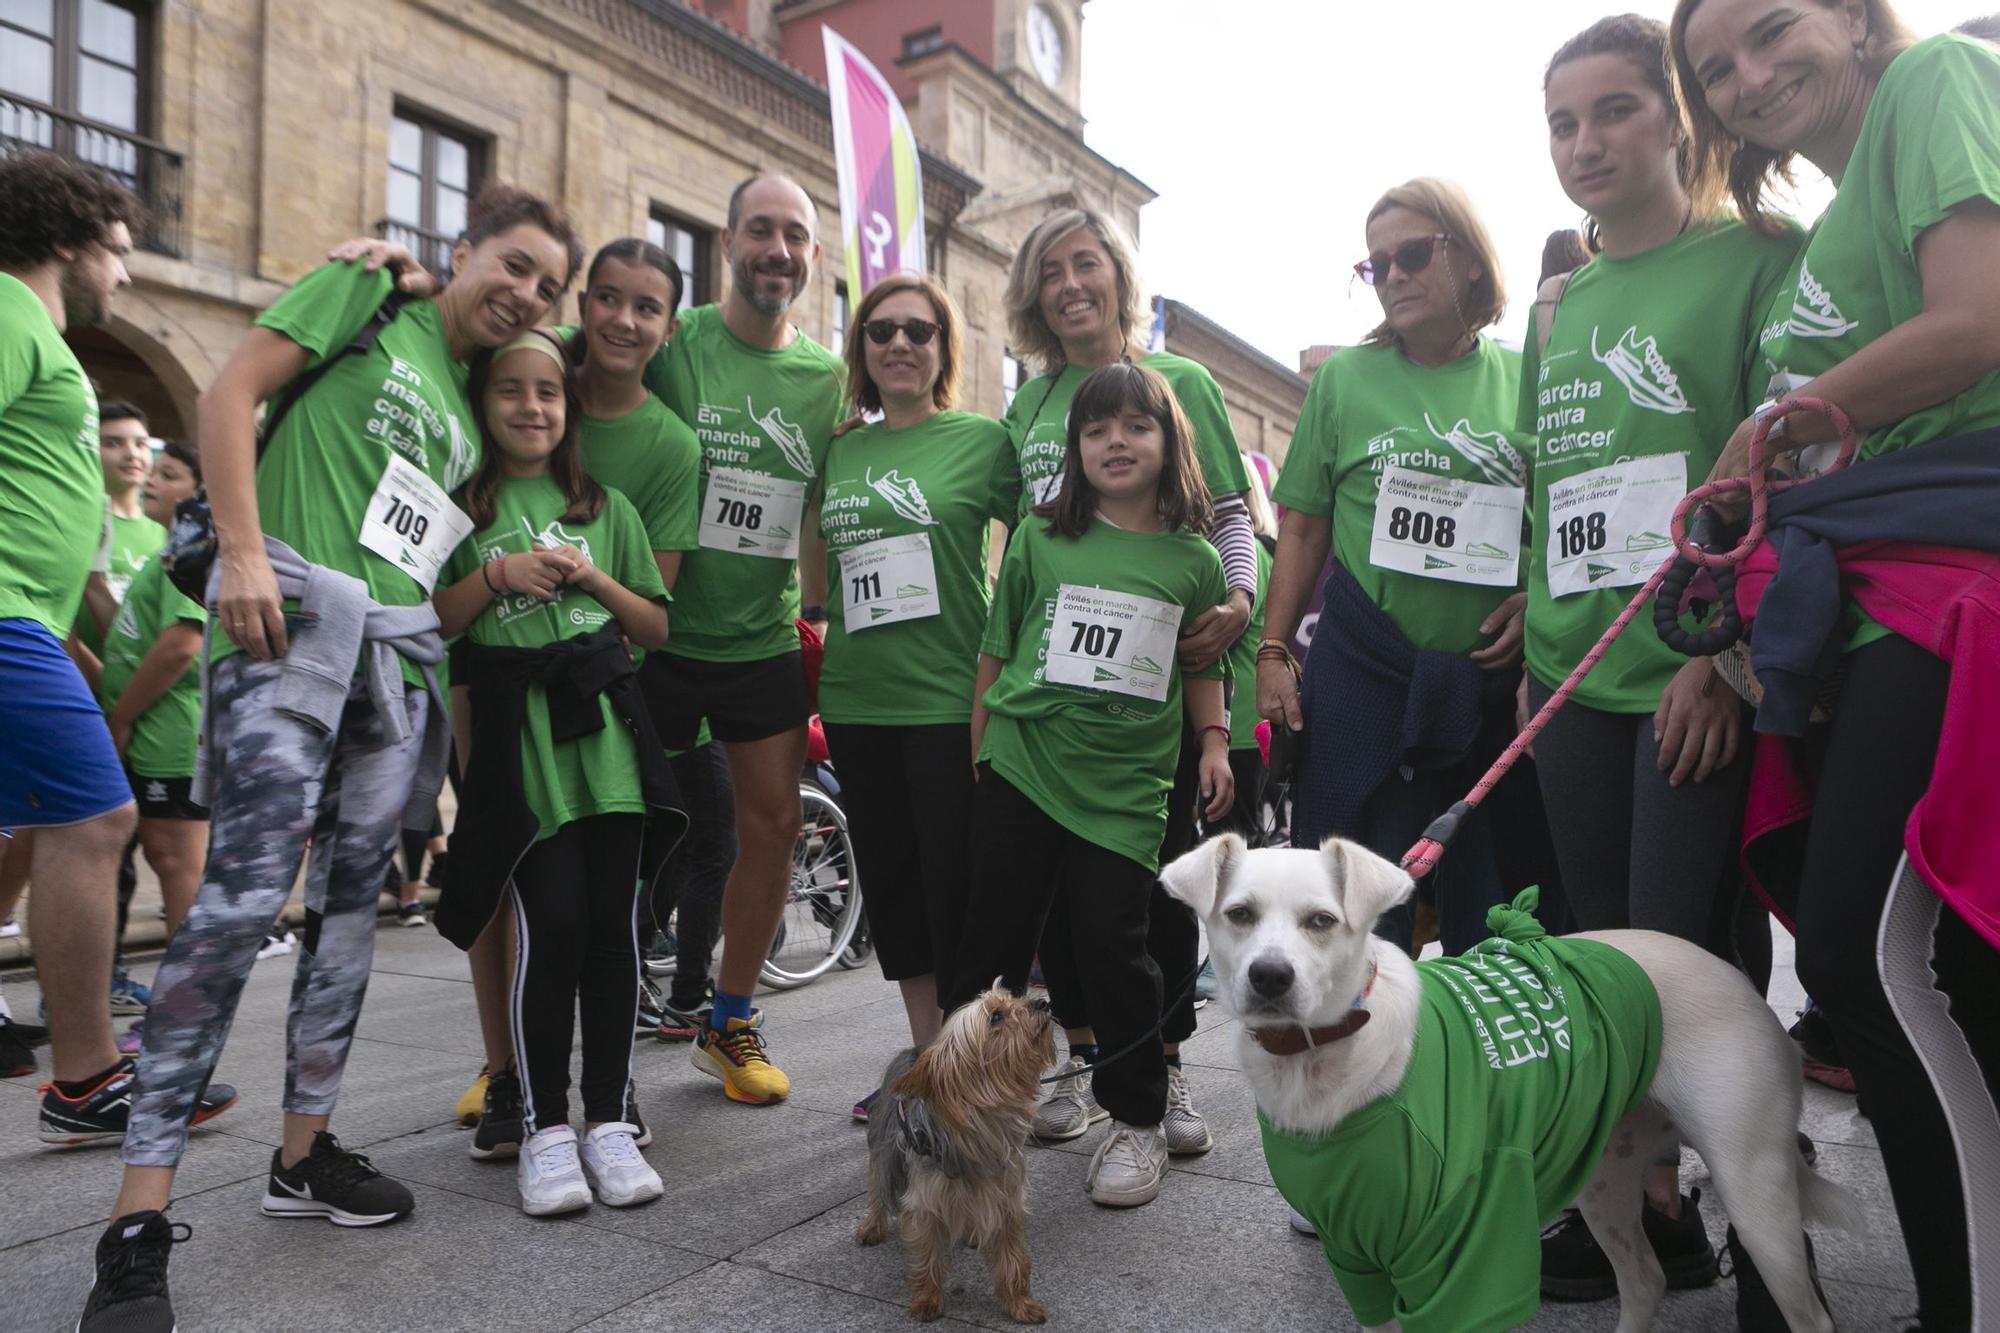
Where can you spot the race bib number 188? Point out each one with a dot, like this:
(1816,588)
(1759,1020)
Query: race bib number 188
(1106,640)
(1608,527)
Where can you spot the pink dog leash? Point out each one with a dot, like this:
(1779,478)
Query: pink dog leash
(1422,858)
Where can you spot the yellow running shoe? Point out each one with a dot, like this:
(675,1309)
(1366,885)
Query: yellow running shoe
(472,1103)
(737,1058)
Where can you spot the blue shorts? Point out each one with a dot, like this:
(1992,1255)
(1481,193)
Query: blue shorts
(57,763)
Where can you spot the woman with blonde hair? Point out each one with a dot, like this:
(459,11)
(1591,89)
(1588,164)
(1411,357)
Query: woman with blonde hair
(1889,314)
(1408,464)
(1076,303)
(908,501)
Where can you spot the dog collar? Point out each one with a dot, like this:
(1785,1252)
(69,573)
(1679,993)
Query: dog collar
(1296,1040)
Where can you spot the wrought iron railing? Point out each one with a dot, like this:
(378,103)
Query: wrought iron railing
(432,248)
(150,170)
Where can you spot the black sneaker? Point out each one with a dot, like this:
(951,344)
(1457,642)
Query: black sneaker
(644,1138)
(1756,1312)
(652,1008)
(99,1114)
(130,1294)
(499,1133)
(1575,1269)
(16,1056)
(331,1182)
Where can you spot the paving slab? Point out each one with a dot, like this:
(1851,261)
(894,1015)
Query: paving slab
(740,1296)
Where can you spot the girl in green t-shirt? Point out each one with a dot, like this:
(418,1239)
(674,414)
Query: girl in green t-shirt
(152,694)
(906,506)
(554,556)
(1077,726)
(1888,314)
(1651,350)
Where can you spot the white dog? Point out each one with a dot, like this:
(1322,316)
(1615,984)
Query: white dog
(1290,933)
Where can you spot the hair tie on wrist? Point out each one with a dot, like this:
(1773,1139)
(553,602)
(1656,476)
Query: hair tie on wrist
(486,577)
(1200,731)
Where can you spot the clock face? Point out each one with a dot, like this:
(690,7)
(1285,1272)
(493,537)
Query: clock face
(1045,45)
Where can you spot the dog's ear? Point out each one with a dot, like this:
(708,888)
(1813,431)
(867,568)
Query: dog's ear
(1197,877)
(1366,885)
(924,1134)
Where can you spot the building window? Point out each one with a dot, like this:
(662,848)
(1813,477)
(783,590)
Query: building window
(840,317)
(689,245)
(1012,373)
(923,41)
(75,77)
(433,170)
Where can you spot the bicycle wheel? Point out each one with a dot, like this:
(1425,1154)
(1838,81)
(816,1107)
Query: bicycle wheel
(823,901)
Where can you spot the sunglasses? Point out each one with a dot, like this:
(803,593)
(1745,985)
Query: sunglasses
(882,332)
(1410,256)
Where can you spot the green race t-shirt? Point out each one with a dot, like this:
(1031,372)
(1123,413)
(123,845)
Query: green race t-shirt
(51,485)
(1429,1202)
(596,774)
(906,515)
(1439,556)
(1038,420)
(134,541)
(1651,363)
(163,737)
(404,398)
(1929,142)
(1086,716)
(1243,715)
(763,419)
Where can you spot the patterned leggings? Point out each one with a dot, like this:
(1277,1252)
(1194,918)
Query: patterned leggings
(278,782)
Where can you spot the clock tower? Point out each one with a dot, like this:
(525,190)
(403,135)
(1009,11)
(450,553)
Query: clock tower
(1037,48)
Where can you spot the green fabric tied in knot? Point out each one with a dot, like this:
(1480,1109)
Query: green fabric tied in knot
(1516,921)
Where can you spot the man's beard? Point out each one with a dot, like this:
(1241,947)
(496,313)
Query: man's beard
(770,307)
(83,306)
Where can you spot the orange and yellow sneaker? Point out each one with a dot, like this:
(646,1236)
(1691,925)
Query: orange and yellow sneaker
(736,1056)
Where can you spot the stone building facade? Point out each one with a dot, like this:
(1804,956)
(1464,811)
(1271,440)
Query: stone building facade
(262,131)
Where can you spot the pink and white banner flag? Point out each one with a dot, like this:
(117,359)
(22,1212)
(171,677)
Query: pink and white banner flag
(881,185)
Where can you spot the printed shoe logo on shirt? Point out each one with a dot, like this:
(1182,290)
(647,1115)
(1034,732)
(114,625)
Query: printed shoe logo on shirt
(555,534)
(1487,450)
(1648,379)
(790,439)
(902,494)
(464,456)
(1814,314)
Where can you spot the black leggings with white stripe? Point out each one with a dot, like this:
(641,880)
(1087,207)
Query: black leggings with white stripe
(575,900)
(1912,992)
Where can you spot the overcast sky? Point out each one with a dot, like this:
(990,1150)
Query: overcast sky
(1269,127)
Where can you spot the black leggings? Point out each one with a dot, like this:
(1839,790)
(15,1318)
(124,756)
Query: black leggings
(1910,1057)
(908,796)
(575,899)
(691,883)
(1021,859)
(1173,936)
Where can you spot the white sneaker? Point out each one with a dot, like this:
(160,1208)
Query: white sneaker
(276,945)
(9,928)
(1187,1133)
(1069,1110)
(617,1171)
(1128,1167)
(549,1175)
(1301,1223)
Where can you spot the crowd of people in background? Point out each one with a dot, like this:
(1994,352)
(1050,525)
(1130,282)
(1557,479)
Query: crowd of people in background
(562,557)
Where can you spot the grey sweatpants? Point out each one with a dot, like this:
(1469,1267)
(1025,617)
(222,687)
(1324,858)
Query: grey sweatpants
(278,783)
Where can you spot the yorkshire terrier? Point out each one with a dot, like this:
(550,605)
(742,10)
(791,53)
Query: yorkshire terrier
(947,1148)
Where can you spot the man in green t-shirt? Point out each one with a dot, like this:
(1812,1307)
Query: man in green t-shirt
(762,397)
(64,234)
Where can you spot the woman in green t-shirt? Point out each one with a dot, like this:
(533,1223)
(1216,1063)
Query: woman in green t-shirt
(1407,465)
(1653,342)
(907,503)
(1890,316)
(1076,302)
(386,422)
(555,558)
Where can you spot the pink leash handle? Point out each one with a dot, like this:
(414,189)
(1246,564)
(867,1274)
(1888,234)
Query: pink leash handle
(1423,858)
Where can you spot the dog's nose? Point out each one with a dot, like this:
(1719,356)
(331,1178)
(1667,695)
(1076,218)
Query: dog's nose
(1271,977)
(1039,1005)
